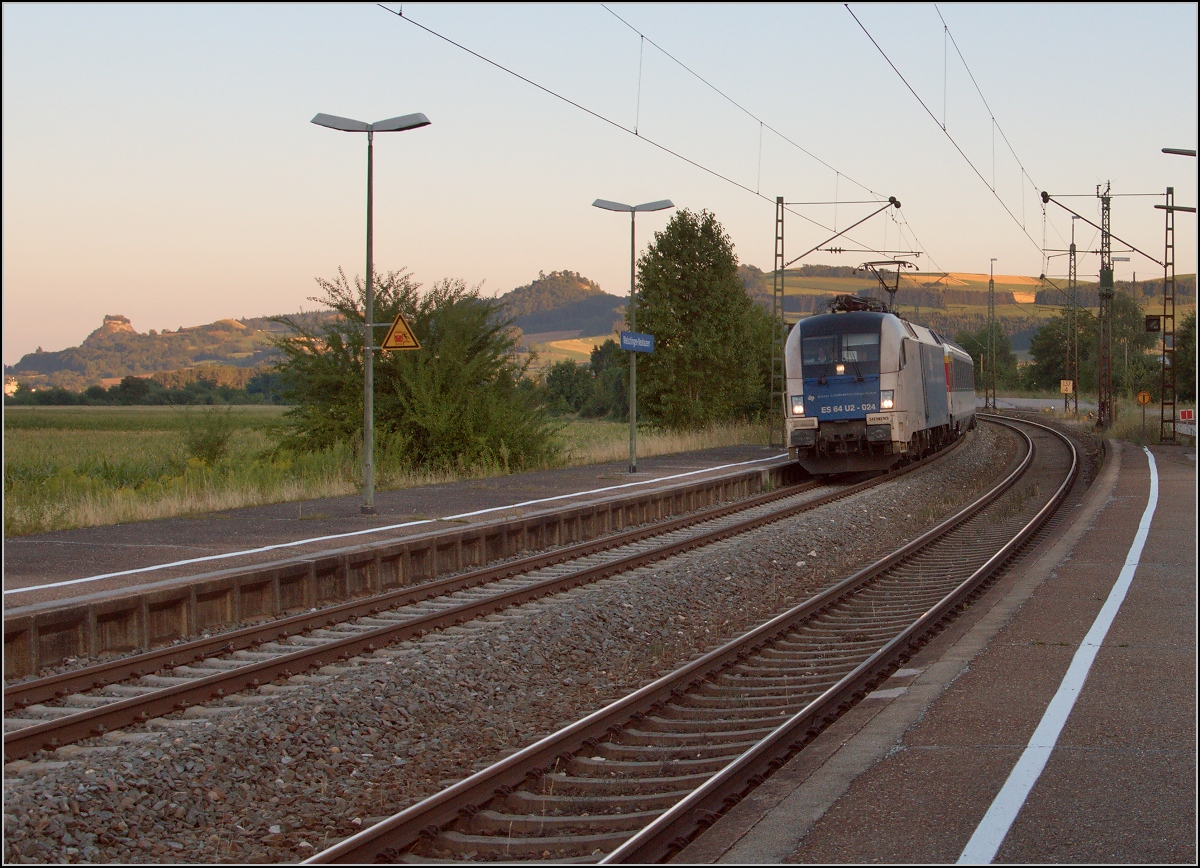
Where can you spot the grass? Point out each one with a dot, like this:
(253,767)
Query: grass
(578,350)
(1128,424)
(68,467)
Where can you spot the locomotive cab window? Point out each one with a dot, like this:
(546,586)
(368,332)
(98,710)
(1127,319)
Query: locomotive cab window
(820,350)
(857,353)
(862,350)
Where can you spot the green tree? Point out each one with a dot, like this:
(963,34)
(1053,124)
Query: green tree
(704,367)
(1185,358)
(1048,348)
(133,390)
(458,402)
(609,395)
(975,343)
(568,386)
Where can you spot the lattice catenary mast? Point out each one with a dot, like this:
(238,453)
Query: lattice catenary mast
(1106,412)
(778,330)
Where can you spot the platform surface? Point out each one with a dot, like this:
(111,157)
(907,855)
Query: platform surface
(305,527)
(908,774)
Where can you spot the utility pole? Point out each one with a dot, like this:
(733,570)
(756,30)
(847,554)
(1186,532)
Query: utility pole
(1072,366)
(778,333)
(1107,411)
(989,382)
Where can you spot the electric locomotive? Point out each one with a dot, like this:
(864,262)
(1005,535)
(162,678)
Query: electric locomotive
(867,389)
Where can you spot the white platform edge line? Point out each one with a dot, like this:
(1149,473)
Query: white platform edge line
(994,826)
(238,554)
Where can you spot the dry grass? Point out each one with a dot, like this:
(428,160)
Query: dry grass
(85,467)
(591,442)
(1128,424)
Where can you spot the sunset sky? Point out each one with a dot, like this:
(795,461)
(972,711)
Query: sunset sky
(159,161)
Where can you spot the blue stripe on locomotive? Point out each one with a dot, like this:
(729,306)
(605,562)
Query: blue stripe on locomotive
(841,396)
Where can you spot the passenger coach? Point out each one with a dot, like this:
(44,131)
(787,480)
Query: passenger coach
(867,389)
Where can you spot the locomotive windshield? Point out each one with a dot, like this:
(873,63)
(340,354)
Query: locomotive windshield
(859,349)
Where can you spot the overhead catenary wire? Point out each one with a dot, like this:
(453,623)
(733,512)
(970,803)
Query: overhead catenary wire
(737,104)
(838,174)
(979,91)
(633,132)
(946,132)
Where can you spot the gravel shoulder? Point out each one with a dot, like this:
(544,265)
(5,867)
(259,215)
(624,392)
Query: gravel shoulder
(276,775)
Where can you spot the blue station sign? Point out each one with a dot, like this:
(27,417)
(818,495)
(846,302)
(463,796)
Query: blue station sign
(637,342)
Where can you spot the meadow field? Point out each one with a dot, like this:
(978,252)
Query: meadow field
(67,467)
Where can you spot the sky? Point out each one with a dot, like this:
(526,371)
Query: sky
(159,160)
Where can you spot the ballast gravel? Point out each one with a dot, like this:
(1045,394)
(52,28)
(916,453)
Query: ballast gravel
(277,775)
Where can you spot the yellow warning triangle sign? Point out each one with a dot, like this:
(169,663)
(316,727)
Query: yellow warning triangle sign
(400,336)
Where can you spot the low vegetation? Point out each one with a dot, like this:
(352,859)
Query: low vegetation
(67,467)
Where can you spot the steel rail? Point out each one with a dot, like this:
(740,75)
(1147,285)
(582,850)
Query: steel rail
(55,733)
(676,827)
(388,838)
(135,665)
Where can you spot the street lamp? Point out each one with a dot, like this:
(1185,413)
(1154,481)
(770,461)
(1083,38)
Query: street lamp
(391,125)
(660,205)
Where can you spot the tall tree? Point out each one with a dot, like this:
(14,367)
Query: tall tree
(1185,358)
(704,367)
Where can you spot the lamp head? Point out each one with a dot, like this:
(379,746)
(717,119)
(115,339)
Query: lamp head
(391,125)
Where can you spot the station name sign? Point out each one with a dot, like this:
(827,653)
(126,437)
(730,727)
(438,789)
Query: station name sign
(636,342)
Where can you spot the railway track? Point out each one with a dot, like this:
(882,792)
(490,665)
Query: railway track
(51,712)
(639,779)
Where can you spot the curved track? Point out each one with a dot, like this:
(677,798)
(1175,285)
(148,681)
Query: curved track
(639,779)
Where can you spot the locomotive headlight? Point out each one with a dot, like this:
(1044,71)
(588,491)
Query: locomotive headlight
(841,369)
(886,401)
(797,405)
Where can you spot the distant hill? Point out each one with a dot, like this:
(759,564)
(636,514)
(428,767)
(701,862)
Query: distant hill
(563,301)
(549,291)
(596,315)
(566,304)
(116,349)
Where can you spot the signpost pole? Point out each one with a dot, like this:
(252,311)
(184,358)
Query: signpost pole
(660,205)
(1144,398)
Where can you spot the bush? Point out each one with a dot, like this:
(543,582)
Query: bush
(456,403)
(207,435)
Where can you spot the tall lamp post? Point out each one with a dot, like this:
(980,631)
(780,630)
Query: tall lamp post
(391,125)
(633,210)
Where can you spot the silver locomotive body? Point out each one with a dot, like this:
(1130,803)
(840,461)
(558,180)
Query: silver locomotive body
(867,389)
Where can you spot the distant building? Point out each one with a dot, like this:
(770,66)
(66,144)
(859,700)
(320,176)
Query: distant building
(10,385)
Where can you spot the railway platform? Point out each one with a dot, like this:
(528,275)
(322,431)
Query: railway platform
(88,592)
(922,770)
(199,543)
